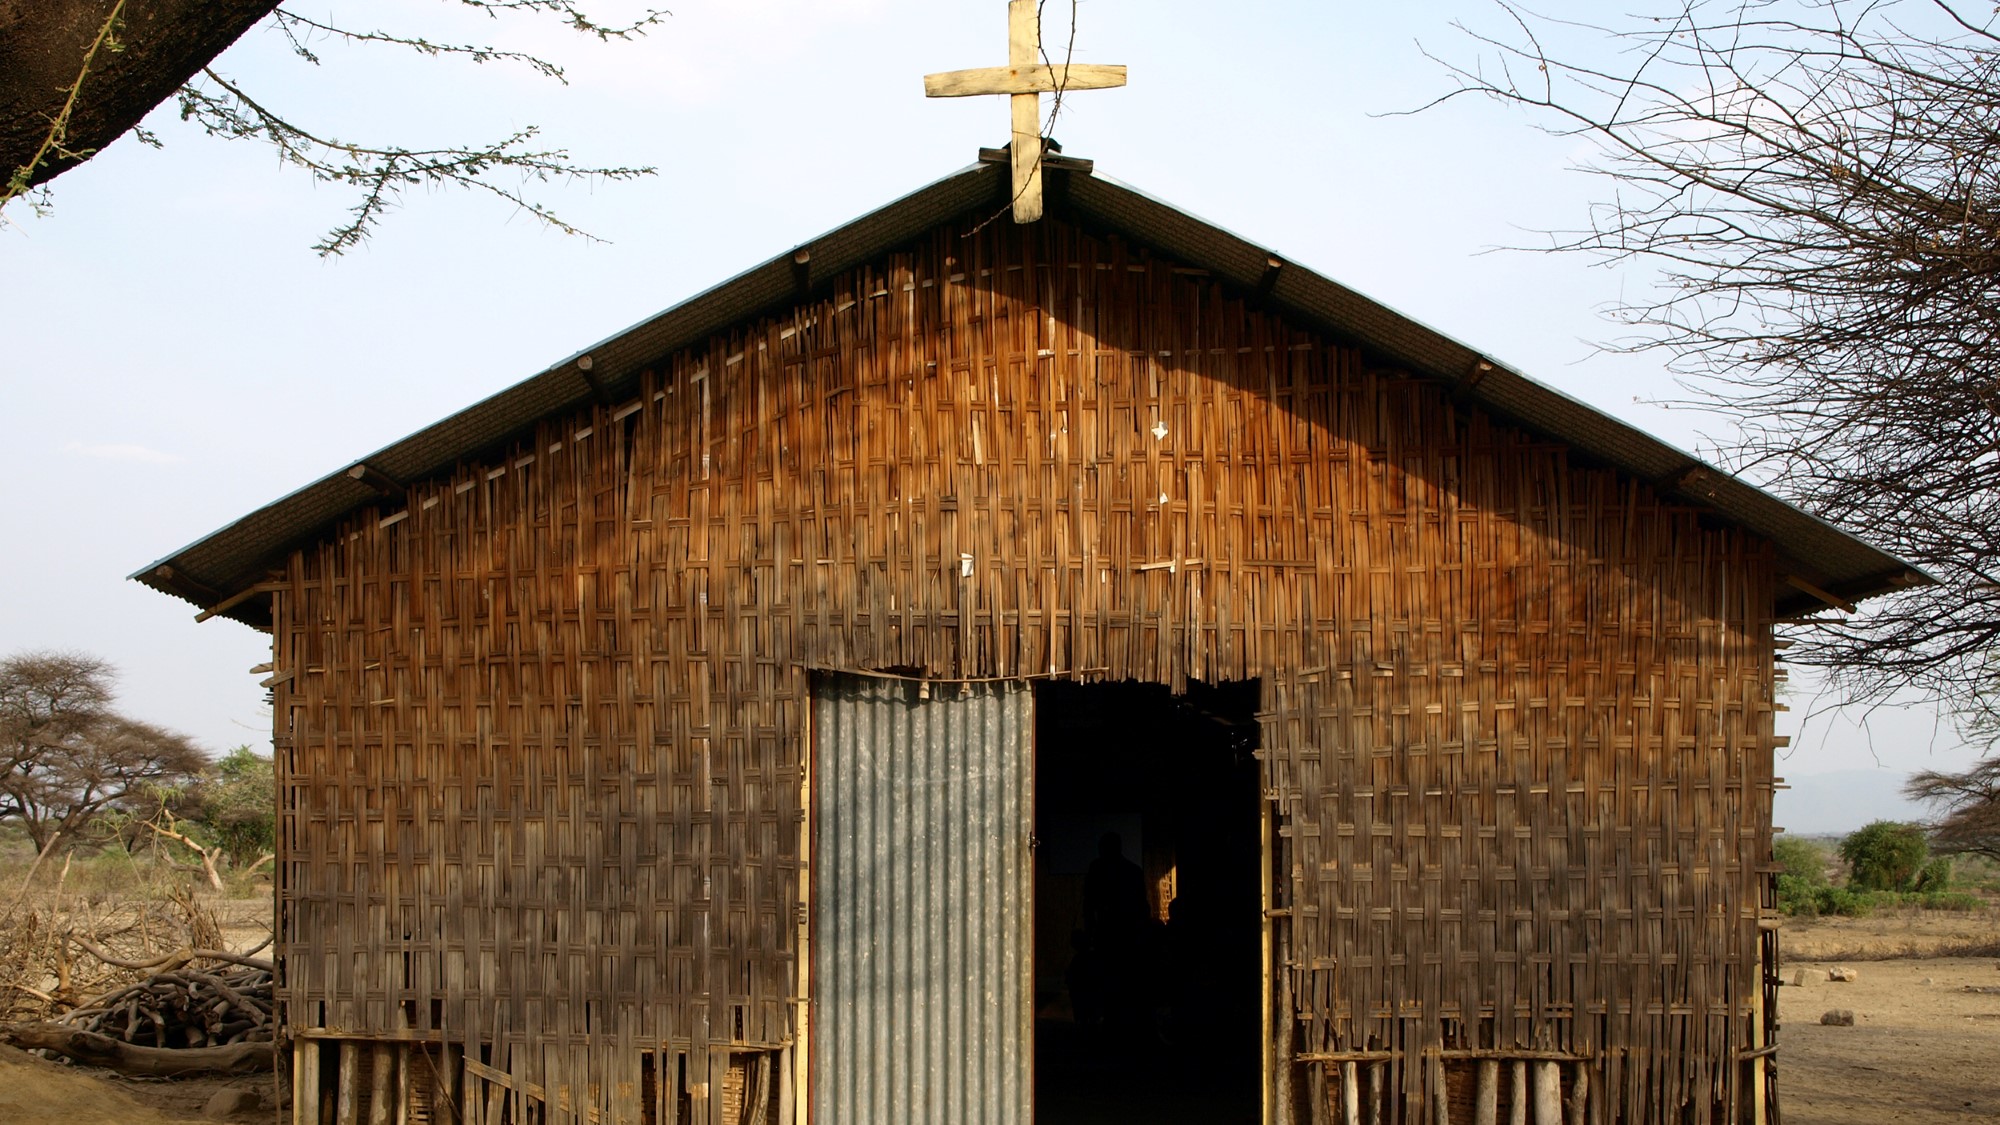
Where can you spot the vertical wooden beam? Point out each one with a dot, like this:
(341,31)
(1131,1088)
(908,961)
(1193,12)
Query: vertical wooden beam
(1548,1093)
(346,1105)
(1376,1071)
(1281,1082)
(1486,1095)
(1517,1106)
(305,1081)
(1024,43)
(1264,951)
(1759,1112)
(800,1073)
(1579,1092)
(1350,1093)
(381,1072)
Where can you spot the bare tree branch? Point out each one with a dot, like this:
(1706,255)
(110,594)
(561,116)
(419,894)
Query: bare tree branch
(1818,184)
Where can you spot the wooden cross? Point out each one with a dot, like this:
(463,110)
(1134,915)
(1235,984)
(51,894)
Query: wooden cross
(1025,78)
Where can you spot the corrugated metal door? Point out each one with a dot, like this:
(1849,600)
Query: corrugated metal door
(922,898)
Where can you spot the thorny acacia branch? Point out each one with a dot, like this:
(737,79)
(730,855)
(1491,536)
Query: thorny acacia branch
(1818,184)
(383,173)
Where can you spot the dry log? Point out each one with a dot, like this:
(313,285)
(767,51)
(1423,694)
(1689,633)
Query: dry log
(92,1049)
(173,960)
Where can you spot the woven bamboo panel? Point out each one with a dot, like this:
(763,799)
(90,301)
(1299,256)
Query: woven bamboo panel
(543,734)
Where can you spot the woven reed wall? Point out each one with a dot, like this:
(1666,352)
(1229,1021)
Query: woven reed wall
(543,731)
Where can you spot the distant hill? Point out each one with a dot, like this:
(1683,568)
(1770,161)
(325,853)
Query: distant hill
(1836,803)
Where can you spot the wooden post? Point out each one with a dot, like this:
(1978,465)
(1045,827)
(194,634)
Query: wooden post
(1350,1093)
(1375,1073)
(347,1109)
(1579,1092)
(305,1081)
(381,1072)
(1024,42)
(1264,952)
(1517,1106)
(1486,1097)
(1548,1093)
(1758,1111)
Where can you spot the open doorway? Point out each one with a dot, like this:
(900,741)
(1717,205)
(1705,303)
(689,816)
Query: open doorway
(1147,911)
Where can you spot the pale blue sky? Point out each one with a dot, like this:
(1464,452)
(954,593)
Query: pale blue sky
(176,356)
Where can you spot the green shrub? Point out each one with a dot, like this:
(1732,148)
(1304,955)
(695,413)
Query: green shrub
(1801,859)
(1944,900)
(1843,901)
(1885,856)
(1796,897)
(1936,875)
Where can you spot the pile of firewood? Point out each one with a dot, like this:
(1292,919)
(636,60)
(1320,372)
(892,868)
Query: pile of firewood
(198,1010)
(185,1007)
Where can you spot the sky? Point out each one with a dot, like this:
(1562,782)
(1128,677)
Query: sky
(176,356)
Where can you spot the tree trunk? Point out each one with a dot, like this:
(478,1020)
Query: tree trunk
(43,44)
(92,1049)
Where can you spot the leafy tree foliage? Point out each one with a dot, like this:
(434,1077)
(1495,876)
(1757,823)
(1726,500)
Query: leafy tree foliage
(238,805)
(1885,856)
(1803,874)
(68,756)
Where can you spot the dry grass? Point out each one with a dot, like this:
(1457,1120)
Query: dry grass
(1893,935)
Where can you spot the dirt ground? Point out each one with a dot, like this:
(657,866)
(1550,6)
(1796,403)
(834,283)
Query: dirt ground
(34,1091)
(1924,1048)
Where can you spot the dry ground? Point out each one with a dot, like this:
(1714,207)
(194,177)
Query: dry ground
(1922,1050)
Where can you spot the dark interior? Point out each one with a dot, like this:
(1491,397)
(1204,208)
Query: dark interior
(1147,909)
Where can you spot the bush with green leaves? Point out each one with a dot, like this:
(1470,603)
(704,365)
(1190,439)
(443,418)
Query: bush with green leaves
(1885,856)
(238,806)
(1802,872)
(1935,878)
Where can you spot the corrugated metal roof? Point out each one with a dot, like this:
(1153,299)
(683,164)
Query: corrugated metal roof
(221,565)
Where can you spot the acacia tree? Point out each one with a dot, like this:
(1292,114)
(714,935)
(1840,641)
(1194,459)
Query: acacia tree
(68,755)
(1969,804)
(1817,183)
(76,75)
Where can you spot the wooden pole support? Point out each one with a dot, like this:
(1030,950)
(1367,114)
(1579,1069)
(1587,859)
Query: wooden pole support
(1350,1093)
(1548,1093)
(1517,1106)
(305,1081)
(346,1105)
(1579,1092)
(381,1073)
(1486,1095)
